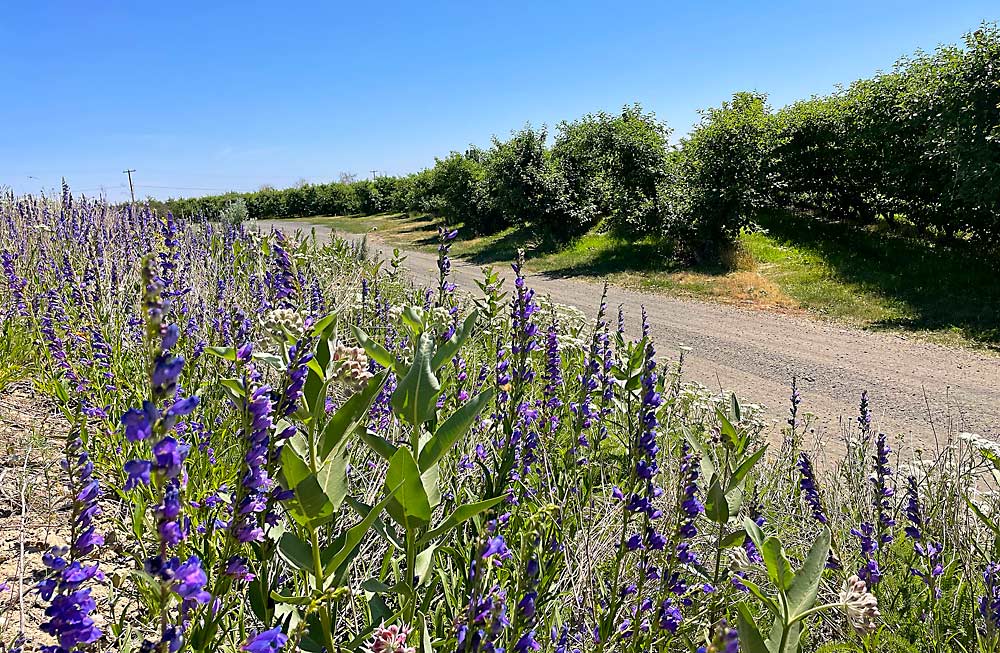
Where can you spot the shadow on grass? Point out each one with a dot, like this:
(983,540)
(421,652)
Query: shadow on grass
(946,287)
(643,256)
(417,225)
(494,248)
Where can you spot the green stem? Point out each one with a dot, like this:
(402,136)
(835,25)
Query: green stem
(324,611)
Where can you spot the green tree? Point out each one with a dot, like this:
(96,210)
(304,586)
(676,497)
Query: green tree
(613,165)
(719,176)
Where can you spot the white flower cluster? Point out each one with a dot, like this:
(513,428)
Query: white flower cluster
(574,326)
(351,367)
(984,445)
(696,398)
(860,605)
(437,318)
(283,320)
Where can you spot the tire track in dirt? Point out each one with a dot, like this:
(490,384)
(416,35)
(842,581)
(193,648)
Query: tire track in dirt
(918,390)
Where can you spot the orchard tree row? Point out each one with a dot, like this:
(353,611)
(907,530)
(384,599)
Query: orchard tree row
(914,147)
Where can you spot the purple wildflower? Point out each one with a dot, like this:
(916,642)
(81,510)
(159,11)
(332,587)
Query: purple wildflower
(869,571)
(913,514)
(793,410)
(269,641)
(989,602)
(810,491)
(883,492)
(864,414)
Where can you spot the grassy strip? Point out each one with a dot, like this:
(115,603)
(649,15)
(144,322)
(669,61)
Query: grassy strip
(868,278)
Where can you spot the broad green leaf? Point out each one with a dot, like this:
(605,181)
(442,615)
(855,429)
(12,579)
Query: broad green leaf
(730,438)
(300,443)
(377,443)
(734,539)
(376,586)
(426,646)
(293,469)
(754,531)
(291,600)
(225,353)
(332,477)
(354,535)
(319,327)
(413,317)
(423,564)
(314,393)
(431,480)
(324,352)
(746,466)
(802,591)
(750,638)
(447,350)
(375,351)
(791,641)
(716,507)
(314,365)
(234,388)
(734,498)
(461,515)
(453,429)
(734,409)
(416,395)
(411,497)
(350,415)
(271,360)
(295,552)
(779,569)
(311,506)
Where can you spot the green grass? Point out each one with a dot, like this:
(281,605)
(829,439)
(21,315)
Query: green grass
(868,278)
(879,279)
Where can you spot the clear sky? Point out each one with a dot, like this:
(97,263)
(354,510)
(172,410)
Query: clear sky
(210,96)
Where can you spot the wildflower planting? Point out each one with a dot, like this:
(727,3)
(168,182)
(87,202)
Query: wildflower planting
(276,443)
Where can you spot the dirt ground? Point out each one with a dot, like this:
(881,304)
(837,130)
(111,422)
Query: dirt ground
(920,392)
(33,504)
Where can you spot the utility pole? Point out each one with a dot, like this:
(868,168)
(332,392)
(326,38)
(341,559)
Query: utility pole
(374,173)
(130,189)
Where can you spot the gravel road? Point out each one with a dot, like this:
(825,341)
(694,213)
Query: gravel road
(918,390)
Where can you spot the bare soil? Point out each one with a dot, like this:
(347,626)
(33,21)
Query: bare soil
(919,391)
(33,505)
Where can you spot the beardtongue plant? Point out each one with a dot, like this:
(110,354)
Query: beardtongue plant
(165,575)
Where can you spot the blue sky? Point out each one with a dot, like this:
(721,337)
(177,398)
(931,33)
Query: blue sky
(209,96)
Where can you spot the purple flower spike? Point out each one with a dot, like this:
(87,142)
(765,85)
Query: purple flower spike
(810,491)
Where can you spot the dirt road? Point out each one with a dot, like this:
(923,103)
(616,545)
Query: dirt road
(918,390)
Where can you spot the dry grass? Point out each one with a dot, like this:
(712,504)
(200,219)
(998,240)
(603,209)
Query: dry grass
(33,502)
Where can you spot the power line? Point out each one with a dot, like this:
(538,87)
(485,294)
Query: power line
(181,187)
